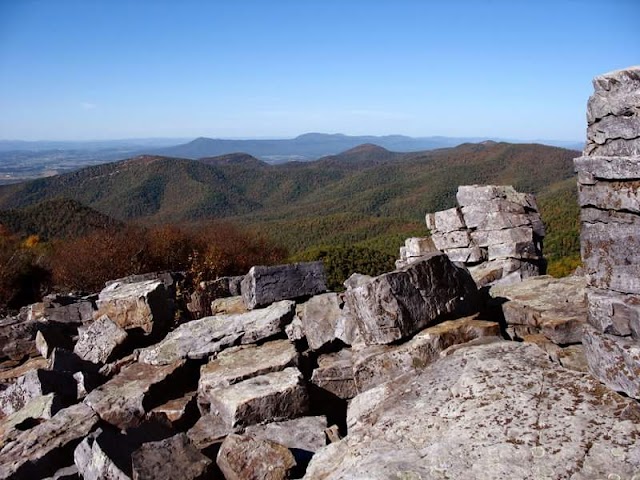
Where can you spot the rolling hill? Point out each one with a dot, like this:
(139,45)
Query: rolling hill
(366,195)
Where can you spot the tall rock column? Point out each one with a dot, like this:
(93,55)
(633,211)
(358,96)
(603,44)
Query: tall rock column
(609,196)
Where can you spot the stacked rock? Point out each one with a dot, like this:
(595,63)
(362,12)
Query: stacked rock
(609,195)
(495,232)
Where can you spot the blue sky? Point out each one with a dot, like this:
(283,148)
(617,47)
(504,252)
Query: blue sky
(76,70)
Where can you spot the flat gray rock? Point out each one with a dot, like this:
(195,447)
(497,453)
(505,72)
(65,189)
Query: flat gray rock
(36,383)
(99,340)
(202,338)
(305,433)
(494,411)
(398,304)
(335,374)
(264,285)
(35,410)
(93,462)
(40,451)
(325,319)
(266,398)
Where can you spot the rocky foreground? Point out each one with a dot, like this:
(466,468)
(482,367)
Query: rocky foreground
(463,363)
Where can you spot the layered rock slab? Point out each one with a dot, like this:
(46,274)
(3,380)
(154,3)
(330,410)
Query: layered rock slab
(500,410)
(244,457)
(398,304)
(201,338)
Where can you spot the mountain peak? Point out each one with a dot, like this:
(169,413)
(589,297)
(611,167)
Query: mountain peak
(367,148)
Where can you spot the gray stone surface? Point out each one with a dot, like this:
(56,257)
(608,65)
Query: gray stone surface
(201,338)
(554,307)
(243,457)
(121,401)
(40,451)
(176,412)
(36,409)
(612,312)
(266,398)
(237,364)
(264,285)
(375,365)
(398,304)
(335,374)
(305,433)
(142,305)
(17,337)
(607,168)
(614,360)
(98,341)
(228,305)
(503,272)
(63,309)
(326,319)
(449,220)
(210,429)
(93,462)
(32,384)
(168,459)
(495,411)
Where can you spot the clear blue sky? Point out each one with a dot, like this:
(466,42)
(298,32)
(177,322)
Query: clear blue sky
(74,70)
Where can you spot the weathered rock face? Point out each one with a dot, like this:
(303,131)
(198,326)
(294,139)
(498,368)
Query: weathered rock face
(99,340)
(35,410)
(34,384)
(501,410)
(496,232)
(63,309)
(556,308)
(265,285)
(325,319)
(335,374)
(175,457)
(305,433)
(142,305)
(93,462)
(398,304)
(17,335)
(609,197)
(200,338)
(243,457)
(121,401)
(41,450)
(273,396)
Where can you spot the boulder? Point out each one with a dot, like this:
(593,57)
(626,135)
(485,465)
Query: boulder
(243,457)
(121,401)
(62,360)
(32,413)
(237,364)
(209,430)
(266,398)
(305,433)
(36,383)
(325,320)
(98,342)
(614,313)
(144,305)
(172,458)
(63,309)
(614,360)
(503,272)
(40,451)
(500,410)
(11,369)
(93,461)
(17,337)
(449,220)
(395,305)
(554,307)
(48,340)
(176,413)
(378,364)
(201,338)
(334,374)
(264,285)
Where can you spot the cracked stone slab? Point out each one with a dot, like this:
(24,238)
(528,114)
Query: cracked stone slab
(264,285)
(495,411)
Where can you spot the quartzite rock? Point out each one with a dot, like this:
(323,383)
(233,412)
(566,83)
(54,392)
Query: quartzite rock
(41,450)
(99,341)
(65,473)
(63,310)
(17,337)
(555,307)
(614,360)
(145,305)
(11,369)
(35,410)
(449,220)
(325,319)
(238,364)
(228,305)
(503,272)
(375,365)
(243,457)
(49,339)
(93,462)
(209,430)
(335,374)
(172,458)
(204,337)
(264,285)
(176,413)
(614,313)
(500,410)
(34,384)
(271,397)
(305,433)
(398,304)
(121,401)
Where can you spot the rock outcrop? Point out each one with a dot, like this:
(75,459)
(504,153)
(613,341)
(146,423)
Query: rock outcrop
(608,176)
(495,231)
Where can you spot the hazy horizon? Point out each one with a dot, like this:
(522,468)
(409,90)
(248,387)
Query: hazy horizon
(94,71)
